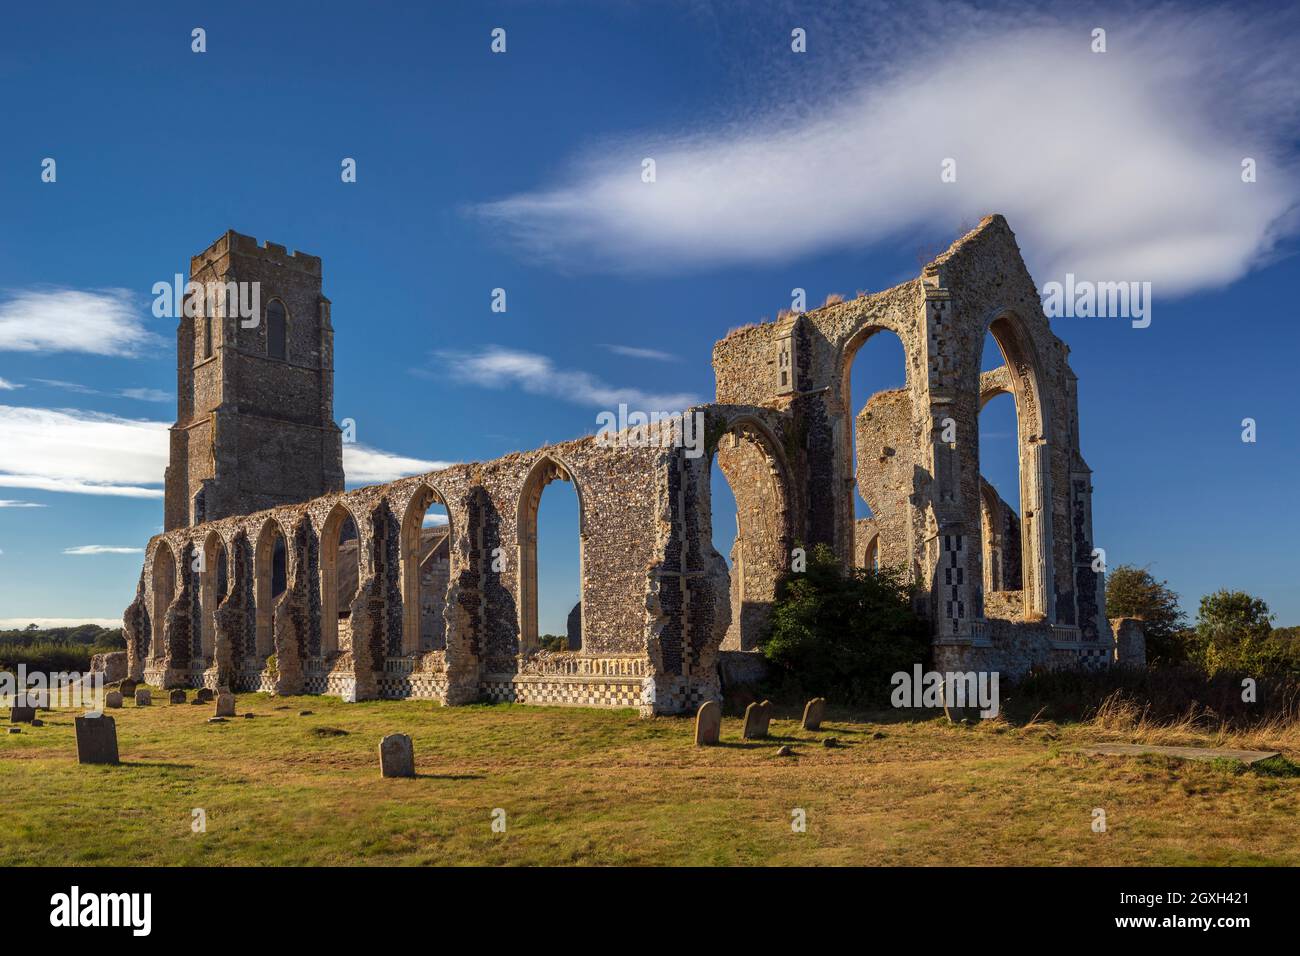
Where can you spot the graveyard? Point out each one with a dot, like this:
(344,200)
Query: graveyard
(298,783)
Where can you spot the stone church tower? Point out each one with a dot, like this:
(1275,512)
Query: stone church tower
(255,391)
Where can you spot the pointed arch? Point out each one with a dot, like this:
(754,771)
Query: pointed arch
(341,522)
(412,559)
(270,580)
(1023,378)
(163,571)
(753,464)
(546,469)
(214,585)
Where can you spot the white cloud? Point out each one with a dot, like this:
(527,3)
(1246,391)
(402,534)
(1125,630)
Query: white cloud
(7,386)
(632,351)
(101,549)
(435,519)
(96,454)
(81,452)
(146,394)
(369,466)
(11,503)
(99,322)
(496,367)
(1117,165)
(9,623)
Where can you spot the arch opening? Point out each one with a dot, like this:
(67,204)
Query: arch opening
(271,579)
(748,493)
(213,588)
(550,576)
(877,425)
(340,579)
(425,572)
(164,592)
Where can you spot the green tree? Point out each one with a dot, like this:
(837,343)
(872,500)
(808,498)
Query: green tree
(843,634)
(1134,592)
(1233,631)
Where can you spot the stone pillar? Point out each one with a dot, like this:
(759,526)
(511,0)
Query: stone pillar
(1130,641)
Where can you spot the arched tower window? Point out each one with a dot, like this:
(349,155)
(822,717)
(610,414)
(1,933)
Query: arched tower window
(277,331)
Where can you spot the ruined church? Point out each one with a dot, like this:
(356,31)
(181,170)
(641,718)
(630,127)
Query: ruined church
(270,576)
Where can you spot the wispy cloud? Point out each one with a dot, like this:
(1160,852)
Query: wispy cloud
(1119,165)
(11,503)
(82,452)
(496,367)
(140,394)
(367,466)
(70,450)
(632,351)
(7,386)
(101,549)
(98,322)
(147,394)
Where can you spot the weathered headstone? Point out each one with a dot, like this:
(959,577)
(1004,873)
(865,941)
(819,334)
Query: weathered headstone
(396,756)
(225,705)
(176,697)
(708,723)
(22,714)
(203,695)
(127,688)
(113,699)
(96,739)
(813,713)
(757,718)
(143,698)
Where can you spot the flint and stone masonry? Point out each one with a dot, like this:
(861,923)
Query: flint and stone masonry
(270,577)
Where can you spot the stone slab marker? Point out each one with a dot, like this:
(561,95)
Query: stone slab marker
(203,695)
(708,723)
(143,698)
(127,688)
(757,718)
(225,705)
(396,756)
(113,699)
(176,697)
(22,714)
(813,713)
(96,739)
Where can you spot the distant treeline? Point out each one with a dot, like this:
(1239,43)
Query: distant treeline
(57,648)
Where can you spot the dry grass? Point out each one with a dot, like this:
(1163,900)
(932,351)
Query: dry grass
(606,787)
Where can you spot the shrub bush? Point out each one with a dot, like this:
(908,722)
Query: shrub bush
(842,635)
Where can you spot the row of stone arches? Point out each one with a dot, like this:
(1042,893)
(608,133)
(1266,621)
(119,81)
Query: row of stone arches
(423,559)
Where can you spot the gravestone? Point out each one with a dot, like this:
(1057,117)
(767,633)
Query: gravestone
(203,695)
(708,723)
(143,698)
(127,688)
(225,705)
(396,756)
(113,699)
(176,697)
(96,739)
(757,718)
(22,714)
(813,713)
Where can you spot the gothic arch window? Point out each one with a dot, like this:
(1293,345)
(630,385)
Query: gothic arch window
(207,336)
(277,331)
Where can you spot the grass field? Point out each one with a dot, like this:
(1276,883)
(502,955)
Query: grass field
(606,787)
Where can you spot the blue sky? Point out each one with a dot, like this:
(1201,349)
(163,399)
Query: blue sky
(521,171)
